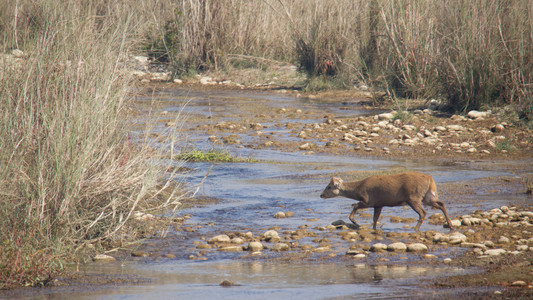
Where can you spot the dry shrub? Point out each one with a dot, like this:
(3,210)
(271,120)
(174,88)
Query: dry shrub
(70,175)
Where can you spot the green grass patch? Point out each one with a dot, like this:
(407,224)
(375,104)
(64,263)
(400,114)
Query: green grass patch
(505,145)
(212,155)
(402,115)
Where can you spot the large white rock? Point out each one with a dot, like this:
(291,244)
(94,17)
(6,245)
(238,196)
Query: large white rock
(378,247)
(417,247)
(398,246)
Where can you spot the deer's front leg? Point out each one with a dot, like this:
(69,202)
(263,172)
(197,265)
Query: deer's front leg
(351,217)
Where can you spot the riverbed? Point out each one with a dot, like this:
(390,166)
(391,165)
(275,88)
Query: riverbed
(245,197)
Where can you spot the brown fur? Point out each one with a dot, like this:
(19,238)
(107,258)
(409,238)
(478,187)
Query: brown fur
(413,189)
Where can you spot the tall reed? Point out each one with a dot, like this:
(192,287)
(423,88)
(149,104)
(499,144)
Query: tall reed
(69,174)
(472,54)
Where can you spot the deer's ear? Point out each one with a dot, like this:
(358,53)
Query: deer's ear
(336,181)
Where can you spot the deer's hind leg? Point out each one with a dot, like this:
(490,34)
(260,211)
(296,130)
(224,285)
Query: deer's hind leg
(417,206)
(432,199)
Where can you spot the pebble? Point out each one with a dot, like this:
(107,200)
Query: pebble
(503,240)
(140,254)
(271,236)
(495,252)
(237,241)
(227,283)
(430,256)
(280,215)
(280,247)
(255,246)
(385,116)
(519,283)
(103,257)
(219,239)
(231,249)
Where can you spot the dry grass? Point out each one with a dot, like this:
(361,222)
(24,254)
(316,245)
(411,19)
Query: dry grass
(70,176)
(473,54)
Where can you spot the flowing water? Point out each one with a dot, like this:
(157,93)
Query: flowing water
(247,197)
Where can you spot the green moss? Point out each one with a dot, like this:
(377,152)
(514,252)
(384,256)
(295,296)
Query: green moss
(211,156)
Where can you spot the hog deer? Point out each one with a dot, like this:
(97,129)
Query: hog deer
(413,189)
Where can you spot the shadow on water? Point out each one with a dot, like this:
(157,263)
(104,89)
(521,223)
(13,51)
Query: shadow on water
(249,194)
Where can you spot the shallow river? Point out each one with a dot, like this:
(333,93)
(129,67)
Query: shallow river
(249,194)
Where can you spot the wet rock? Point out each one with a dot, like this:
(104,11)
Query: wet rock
(103,257)
(203,246)
(219,239)
(322,249)
(271,236)
(447,260)
(231,249)
(430,256)
(397,247)
(140,254)
(227,283)
(495,252)
(280,215)
(456,238)
(237,241)
(306,146)
(255,246)
(353,252)
(417,247)
(289,214)
(378,247)
(280,247)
